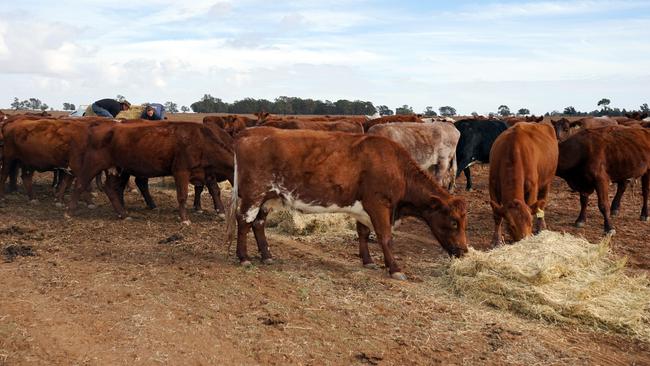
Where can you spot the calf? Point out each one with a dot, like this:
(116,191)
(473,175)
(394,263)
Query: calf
(188,151)
(431,145)
(564,128)
(369,177)
(522,166)
(475,143)
(592,158)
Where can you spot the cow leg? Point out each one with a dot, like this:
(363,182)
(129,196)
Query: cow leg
(122,182)
(13,176)
(215,193)
(198,189)
(56,179)
(143,187)
(468,179)
(540,222)
(497,237)
(616,202)
(4,173)
(63,185)
(243,227)
(364,253)
(603,203)
(380,217)
(260,237)
(645,186)
(582,217)
(182,180)
(26,176)
(112,186)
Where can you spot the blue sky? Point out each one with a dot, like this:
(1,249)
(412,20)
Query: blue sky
(473,55)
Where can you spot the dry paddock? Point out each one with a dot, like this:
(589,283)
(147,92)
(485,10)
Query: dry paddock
(150,291)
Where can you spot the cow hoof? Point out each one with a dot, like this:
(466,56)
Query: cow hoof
(199,211)
(33,202)
(221,216)
(611,232)
(268,261)
(92,206)
(246,264)
(645,218)
(579,224)
(372,266)
(67,216)
(469,190)
(59,205)
(128,218)
(399,276)
(186,222)
(613,213)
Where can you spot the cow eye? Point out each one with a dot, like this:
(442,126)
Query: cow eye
(454,224)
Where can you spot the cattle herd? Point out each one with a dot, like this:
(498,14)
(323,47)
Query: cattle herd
(377,170)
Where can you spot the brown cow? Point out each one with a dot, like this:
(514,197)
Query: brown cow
(369,177)
(431,145)
(563,127)
(513,120)
(297,124)
(43,145)
(190,152)
(233,124)
(522,166)
(391,119)
(592,158)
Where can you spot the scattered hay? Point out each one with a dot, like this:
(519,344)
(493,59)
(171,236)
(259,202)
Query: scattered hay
(558,278)
(13,251)
(295,223)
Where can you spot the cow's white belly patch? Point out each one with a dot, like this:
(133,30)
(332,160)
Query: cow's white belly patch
(289,200)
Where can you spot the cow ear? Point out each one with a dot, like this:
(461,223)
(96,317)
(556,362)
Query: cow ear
(497,208)
(436,203)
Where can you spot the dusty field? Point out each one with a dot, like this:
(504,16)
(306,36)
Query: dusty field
(149,291)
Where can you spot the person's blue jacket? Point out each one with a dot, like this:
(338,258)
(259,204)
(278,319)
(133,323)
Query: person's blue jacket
(158,112)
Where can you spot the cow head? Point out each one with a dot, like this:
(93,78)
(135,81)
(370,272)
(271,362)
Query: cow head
(448,222)
(562,128)
(518,217)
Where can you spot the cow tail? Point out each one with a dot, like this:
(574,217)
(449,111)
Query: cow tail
(231,210)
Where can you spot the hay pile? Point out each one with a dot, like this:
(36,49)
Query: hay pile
(558,278)
(133,113)
(295,223)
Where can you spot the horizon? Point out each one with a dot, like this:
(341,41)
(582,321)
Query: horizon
(539,55)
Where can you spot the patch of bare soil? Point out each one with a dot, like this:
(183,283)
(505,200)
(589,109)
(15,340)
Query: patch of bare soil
(151,291)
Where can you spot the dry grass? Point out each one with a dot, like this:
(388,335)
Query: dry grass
(559,278)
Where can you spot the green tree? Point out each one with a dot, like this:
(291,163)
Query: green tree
(503,110)
(405,109)
(16,104)
(644,108)
(185,109)
(68,107)
(570,111)
(604,103)
(523,111)
(447,111)
(171,107)
(429,112)
(384,110)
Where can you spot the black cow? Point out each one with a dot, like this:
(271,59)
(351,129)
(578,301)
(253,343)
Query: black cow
(476,139)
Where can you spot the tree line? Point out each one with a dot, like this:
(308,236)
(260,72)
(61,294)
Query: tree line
(295,105)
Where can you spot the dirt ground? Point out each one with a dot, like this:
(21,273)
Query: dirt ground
(98,291)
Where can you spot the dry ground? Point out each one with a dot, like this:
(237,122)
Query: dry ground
(103,291)
(100,291)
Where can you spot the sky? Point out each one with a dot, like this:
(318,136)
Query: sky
(472,55)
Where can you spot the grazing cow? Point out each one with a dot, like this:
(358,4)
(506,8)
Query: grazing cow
(44,145)
(431,145)
(522,166)
(342,125)
(592,158)
(476,139)
(188,151)
(391,119)
(369,177)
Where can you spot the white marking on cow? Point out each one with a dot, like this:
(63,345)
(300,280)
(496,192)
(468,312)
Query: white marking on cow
(291,200)
(647,119)
(251,214)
